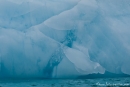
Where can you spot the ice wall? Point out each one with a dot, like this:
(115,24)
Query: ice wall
(63,38)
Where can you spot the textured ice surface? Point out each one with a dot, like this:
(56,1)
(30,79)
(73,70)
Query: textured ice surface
(64,38)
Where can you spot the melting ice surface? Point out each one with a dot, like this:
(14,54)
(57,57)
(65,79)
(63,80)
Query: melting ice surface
(64,38)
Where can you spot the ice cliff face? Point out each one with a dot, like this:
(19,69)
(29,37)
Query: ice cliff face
(64,38)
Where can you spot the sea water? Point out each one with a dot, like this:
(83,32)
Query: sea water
(100,82)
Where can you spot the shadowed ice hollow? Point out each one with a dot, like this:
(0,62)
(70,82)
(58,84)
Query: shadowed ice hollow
(64,38)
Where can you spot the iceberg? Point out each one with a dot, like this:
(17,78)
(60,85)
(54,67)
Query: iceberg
(63,38)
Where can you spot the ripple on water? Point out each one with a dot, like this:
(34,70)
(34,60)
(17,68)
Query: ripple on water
(65,82)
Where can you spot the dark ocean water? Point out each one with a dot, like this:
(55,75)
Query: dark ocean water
(98,82)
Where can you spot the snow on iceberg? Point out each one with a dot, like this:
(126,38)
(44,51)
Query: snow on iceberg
(63,38)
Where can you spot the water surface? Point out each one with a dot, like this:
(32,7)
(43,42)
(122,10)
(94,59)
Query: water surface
(100,82)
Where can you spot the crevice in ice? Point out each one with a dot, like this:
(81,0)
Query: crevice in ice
(0,62)
(55,59)
(69,38)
